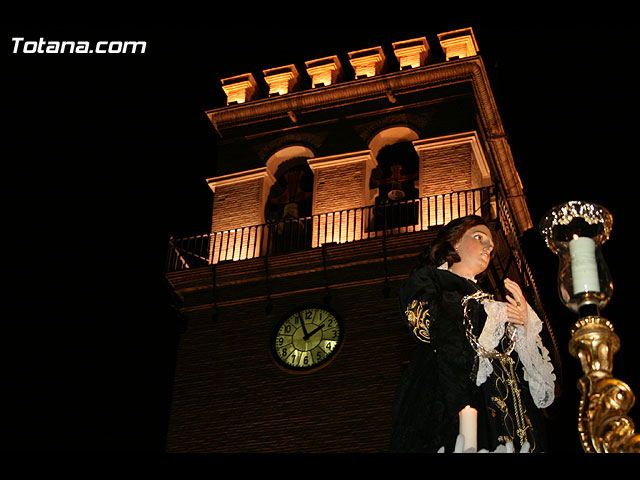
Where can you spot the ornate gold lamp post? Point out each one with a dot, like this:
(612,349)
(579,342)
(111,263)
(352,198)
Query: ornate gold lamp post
(575,232)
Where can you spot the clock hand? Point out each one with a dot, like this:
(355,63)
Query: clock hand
(309,335)
(304,327)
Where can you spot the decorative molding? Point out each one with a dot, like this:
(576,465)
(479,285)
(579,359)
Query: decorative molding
(240,89)
(470,69)
(458,43)
(368,62)
(282,80)
(324,71)
(241,177)
(412,53)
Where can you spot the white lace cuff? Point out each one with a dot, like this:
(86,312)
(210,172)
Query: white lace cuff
(538,370)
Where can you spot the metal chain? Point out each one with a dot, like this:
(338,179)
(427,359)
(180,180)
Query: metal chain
(471,336)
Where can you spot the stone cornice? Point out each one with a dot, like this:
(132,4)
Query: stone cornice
(469,69)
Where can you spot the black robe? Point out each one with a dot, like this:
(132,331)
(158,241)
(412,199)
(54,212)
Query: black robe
(440,379)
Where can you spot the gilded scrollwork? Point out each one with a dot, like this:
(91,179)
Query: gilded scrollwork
(603,421)
(418,317)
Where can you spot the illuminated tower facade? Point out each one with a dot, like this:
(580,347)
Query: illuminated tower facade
(333,175)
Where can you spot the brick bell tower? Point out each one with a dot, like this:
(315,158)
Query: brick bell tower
(333,176)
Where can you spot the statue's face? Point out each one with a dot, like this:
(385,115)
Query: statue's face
(474,249)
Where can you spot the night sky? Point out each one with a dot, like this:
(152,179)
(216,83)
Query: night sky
(109,155)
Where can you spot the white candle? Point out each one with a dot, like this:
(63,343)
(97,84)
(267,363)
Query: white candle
(468,417)
(584,268)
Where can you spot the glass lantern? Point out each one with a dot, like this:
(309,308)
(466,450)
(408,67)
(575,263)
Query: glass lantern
(575,231)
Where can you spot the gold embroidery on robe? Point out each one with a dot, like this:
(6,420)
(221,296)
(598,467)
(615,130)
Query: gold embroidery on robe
(418,317)
(507,384)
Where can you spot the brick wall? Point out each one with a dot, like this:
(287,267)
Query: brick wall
(341,182)
(239,200)
(229,396)
(445,169)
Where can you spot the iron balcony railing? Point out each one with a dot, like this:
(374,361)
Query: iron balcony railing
(391,218)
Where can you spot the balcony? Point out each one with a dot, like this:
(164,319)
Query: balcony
(375,221)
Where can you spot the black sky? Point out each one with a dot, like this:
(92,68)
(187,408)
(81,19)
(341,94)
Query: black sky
(109,155)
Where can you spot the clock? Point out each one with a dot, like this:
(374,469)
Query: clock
(307,339)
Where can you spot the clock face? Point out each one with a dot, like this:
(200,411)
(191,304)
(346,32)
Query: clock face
(307,339)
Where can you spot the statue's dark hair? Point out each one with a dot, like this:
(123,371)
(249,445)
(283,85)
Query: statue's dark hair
(442,249)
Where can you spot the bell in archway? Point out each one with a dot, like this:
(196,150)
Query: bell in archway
(395,192)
